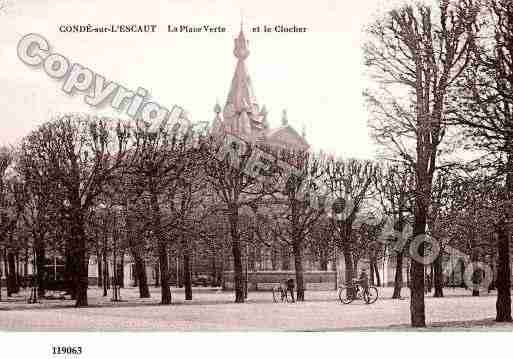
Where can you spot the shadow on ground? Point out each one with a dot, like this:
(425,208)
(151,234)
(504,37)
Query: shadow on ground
(488,324)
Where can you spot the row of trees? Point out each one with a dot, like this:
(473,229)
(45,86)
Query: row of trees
(443,82)
(67,183)
(85,186)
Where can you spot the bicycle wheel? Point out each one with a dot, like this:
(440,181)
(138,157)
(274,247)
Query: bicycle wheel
(346,295)
(276,295)
(288,297)
(371,296)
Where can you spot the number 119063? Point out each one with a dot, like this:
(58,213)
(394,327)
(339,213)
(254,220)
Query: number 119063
(66,350)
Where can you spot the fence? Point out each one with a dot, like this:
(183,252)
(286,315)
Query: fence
(266,280)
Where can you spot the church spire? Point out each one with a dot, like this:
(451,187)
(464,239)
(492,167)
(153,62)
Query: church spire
(241,91)
(241,50)
(241,98)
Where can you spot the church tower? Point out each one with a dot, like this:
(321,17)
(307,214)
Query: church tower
(242,115)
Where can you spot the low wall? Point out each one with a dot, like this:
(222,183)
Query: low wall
(266,280)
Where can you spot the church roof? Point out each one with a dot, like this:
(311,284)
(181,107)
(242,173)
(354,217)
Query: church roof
(286,135)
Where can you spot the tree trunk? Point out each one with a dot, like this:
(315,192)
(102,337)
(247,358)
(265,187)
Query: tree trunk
(438,277)
(371,273)
(251,258)
(323,264)
(417,307)
(503,281)
(162,249)
(220,279)
(141,278)
(274,258)
(18,269)
(100,269)
(187,275)
(398,280)
(492,285)
(135,236)
(179,273)
(25,267)
(408,274)
(70,266)
(6,266)
(349,271)
(324,260)
(298,262)
(106,281)
(40,268)
(79,253)
(462,272)
(12,283)
(477,273)
(157,275)
(81,275)
(476,281)
(121,269)
(378,277)
(164,274)
(285,259)
(214,269)
(238,276)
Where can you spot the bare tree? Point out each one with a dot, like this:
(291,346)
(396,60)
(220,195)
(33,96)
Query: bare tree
(5,221)
(11,208)
(351,184)
(230,176)
(394,185)
(187,207)
(12,205)
(40,214)
(162,158)
(486,111)
(320,242)
(418,53)
(137,225)
(82,155)
(292,213)
(441,199)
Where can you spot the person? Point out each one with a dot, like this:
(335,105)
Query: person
(364,281)
(429,284)
(290,288)
(33,289)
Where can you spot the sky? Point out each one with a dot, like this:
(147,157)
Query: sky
(317,76)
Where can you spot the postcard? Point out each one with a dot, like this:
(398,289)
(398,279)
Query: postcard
(240,169)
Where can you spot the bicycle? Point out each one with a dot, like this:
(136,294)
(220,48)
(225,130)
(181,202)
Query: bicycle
(280,294)
(355,292)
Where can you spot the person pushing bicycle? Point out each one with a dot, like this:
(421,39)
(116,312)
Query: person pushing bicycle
(290,288)
(364,281)
(369,293)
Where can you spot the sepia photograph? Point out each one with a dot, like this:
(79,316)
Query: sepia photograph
(247,168)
